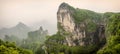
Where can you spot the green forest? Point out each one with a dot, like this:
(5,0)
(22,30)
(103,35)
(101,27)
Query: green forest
(39,42)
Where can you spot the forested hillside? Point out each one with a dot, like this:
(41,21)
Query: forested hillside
(83,31)
(113,36)
(80,31)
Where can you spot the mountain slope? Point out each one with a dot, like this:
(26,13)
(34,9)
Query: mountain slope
(113,40)
(20,30)
(34,39)
(80,31)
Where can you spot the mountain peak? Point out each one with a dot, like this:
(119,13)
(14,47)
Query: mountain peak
(20,30)
(66,7)
(20,24)
(41,29)
(63,5)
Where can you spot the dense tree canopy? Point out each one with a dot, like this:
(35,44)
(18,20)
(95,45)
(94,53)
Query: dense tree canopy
(113,39)
(11,48)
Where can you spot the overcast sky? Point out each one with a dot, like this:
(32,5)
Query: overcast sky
(37,13)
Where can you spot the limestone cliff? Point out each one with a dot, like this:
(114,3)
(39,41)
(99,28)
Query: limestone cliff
(79,26)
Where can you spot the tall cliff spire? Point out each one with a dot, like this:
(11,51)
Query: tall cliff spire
(63,5)
(76,22)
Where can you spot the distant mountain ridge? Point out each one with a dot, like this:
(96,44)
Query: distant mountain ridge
(20,30)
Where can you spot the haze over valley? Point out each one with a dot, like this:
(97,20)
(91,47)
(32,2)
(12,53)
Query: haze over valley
(36,13)
(60,27)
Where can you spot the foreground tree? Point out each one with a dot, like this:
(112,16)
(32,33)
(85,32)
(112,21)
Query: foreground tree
(11,48)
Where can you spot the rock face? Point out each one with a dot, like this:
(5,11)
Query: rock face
(79,33)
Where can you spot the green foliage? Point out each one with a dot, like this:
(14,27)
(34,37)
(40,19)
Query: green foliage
(113,40)
(113,26)
(80,15)
(31,46)
(89,18)
(40,50)
(107,15)
(91,27)
(12,38)
(55,39)
(34,40)
(112,46)
(11,48)
(55,45)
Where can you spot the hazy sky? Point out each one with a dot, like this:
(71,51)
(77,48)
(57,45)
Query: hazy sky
(36,13)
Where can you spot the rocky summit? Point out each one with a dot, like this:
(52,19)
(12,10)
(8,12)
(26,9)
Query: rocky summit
(83,27)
